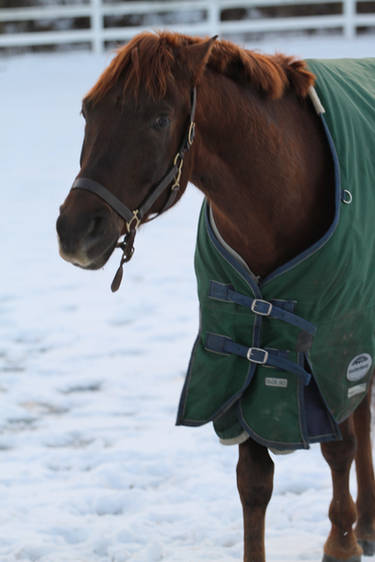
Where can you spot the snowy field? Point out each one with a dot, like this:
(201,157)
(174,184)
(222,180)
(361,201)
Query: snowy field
(92,468)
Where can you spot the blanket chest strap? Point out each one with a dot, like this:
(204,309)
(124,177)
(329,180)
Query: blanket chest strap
(267,357)
(225,293)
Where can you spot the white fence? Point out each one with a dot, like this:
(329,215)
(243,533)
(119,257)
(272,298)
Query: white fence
(207,13)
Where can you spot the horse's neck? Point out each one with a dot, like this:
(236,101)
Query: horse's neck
(265,167)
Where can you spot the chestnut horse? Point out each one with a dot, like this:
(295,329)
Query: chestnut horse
(260,154)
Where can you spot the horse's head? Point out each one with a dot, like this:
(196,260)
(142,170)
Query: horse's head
(134,159)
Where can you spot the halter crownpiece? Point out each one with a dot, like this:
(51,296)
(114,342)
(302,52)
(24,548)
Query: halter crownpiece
(134,218)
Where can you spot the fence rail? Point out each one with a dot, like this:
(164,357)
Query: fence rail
(209,14)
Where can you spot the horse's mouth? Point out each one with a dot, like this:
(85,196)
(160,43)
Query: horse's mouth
(92,259)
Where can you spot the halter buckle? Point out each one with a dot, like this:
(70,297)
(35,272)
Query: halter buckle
(191,133)
(176,183)
(135,218)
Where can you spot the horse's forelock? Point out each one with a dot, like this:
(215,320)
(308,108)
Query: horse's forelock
(151,69)
(146,63)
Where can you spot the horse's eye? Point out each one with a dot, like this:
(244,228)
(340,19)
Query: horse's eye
(161,122)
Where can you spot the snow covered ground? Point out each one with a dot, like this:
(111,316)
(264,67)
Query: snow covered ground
(92,468)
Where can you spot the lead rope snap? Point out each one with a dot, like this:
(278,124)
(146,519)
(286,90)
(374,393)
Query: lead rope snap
(127,246)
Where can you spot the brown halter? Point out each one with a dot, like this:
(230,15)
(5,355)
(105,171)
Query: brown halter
(134,218)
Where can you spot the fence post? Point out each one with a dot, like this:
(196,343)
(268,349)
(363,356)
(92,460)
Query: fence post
(349,18)
(214,17)
(97,26)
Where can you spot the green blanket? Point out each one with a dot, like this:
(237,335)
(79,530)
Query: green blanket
(286,358)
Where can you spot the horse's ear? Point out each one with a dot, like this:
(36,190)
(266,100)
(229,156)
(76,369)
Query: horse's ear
(197,56)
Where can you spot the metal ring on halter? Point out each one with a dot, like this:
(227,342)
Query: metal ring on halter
(347,197)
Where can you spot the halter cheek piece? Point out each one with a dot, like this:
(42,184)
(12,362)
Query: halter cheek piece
(134,218)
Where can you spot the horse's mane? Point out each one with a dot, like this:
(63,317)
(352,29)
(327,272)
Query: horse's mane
(149,59)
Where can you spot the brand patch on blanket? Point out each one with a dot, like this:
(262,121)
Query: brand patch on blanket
(358,367)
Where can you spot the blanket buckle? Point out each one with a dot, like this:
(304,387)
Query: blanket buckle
(257,355)
(261,307)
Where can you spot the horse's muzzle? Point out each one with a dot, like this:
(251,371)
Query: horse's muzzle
(87,241)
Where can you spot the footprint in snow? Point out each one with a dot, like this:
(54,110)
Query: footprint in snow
(93,386)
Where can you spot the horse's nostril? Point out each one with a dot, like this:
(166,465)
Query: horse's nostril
(94,225)
(95,228)
(60,226)
(79,233)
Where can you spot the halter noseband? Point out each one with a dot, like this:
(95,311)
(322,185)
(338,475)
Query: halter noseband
(134,218)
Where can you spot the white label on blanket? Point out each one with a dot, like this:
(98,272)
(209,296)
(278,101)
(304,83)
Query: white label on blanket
(358,389)
(274,381)
(358,367)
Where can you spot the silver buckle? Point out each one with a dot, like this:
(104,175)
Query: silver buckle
(259,361)
(255,302)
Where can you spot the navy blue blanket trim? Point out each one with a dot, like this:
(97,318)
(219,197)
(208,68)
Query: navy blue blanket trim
(280,446)
(262,307)
(237,265)
(270,357)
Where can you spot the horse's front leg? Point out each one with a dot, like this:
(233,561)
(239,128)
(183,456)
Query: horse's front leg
(365,529)
(341,545)
(255,483)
